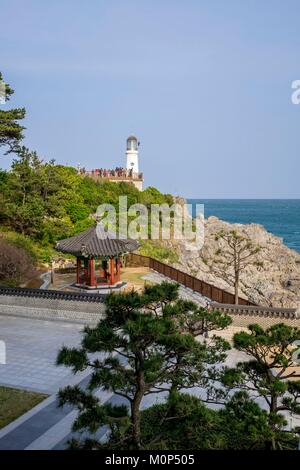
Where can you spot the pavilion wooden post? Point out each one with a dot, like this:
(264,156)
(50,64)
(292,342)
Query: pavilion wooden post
(105,272)
(92,272)
(118,269)
(78,269)
(112,274)
(86,271)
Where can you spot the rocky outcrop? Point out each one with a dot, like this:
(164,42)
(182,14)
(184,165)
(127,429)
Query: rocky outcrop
(276,283)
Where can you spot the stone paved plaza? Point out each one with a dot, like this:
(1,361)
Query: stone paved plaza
(31,350)
(32,346)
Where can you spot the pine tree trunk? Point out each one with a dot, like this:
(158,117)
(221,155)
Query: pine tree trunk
(136,418)
(174,384)
(236,288)
(236,276)
(273,409)
(136,402)
(271,445)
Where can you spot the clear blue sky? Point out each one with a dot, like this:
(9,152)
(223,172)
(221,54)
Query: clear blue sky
(204,84)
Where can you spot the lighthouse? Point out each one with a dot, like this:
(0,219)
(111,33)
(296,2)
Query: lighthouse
(132,155)
(129,174)
(132,162)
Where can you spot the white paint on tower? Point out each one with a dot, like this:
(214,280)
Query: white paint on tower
(132,154)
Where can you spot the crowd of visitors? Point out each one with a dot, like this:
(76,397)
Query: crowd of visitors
(118,172)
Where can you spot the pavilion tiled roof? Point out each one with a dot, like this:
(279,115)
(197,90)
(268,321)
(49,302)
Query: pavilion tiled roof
(96,242)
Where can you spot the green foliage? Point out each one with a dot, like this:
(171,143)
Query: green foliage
(147,350)
(149,344)
(157,250)
(48,202)
(11,132)
(77,211)
(271,373)
(246,426)
(182,423)
(37,251)
(185,423)
(153,196)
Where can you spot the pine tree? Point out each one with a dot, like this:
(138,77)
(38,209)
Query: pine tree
(146,352)
(11,132)
(235,253)
(271,373)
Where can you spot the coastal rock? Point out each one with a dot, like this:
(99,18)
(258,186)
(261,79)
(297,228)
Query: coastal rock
(276,283)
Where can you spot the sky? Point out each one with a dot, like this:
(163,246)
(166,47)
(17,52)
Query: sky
(204,84)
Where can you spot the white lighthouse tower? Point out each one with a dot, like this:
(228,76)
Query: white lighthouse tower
(132,155)
(132,162)
(129,175)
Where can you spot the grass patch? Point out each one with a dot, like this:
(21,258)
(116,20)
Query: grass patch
(14,403)
(134,275)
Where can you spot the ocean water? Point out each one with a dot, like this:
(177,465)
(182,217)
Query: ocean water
(279,216)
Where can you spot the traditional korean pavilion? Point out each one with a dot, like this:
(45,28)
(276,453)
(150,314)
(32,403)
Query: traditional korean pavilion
(98,254)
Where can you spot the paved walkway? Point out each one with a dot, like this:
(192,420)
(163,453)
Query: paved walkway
(46,425)
(184,292)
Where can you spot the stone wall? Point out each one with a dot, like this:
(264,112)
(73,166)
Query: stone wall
(92,312)
(263,321)
(51,309)
(242,315)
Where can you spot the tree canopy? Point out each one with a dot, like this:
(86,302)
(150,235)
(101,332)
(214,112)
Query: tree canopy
(48,202)
(272,373)
(236,251)
(155,344)
(141,347)
(11,131)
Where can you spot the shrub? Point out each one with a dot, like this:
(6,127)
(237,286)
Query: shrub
(16,265)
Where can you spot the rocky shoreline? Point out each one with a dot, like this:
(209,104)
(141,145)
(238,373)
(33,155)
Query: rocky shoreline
(275,284)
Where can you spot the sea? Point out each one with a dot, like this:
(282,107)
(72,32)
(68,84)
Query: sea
(279,216)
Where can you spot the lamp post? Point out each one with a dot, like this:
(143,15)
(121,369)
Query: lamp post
(52,271)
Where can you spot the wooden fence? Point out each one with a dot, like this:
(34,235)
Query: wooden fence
(204,288)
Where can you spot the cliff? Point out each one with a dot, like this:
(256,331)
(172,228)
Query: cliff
(276,283)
